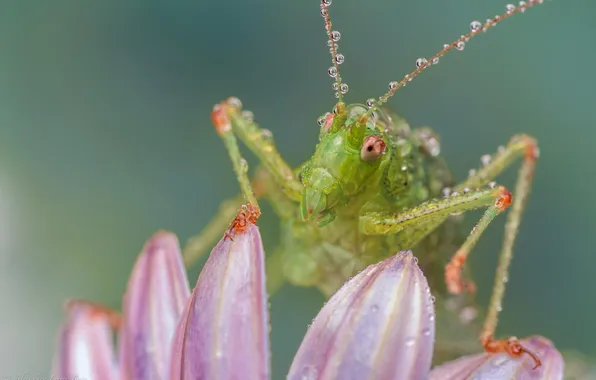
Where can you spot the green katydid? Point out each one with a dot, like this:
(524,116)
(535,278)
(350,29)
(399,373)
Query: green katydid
(373,187)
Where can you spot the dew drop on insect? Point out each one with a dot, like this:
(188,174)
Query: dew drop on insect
(466,190)
(491,185)
(410,342)
(243,165)
(332,71)
(327,3)
(501,149)
(336,94)
(370,103)
(340,59)
(432,299)
(454,194)
(329,43)
(499,308)
(343,88)
(234,102)
(446,46)
(321,120)
(393,85)
(267,135)
(435,61)
(475,26)
(335,86)
(485,159)
(323,11)
(446,192)
(509,8)
(460,45)
(248,116)
(421,62)
(522,5)
(472,173)
(335,35)
(505,279)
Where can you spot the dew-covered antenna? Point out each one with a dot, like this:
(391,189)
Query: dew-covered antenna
(336,58)
(475,28)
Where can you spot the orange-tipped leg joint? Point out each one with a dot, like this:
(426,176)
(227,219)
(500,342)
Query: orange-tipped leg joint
(453,277)
(511,346)
(247,215)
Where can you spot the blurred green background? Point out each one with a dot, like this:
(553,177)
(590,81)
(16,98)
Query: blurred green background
(105,138)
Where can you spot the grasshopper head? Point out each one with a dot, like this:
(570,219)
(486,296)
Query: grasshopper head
(349,154)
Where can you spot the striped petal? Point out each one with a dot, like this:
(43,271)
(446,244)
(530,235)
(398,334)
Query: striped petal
(224,331)
(85,347)
(153,303)
(379,325)
(501,366)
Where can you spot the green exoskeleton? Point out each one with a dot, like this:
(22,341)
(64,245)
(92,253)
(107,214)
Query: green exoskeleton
(375,186)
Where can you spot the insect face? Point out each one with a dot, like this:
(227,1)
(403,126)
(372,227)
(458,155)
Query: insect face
(347,158)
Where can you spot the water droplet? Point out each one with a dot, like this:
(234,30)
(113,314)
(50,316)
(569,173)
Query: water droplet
(332,71)
(243,165)
(431,317)
(499,360)
(267,135)
(335,35)
(321,121)
(522,5)
(501,149)
(370,103)
(499,308)
(323,11)
(336,94)
(248,116)
(415,260)
(432,299)
(466,190)
(344,88)
(460,45)
(234,102)
(309,373)
(454,194)
(475,26)
(327,3)
(489,22)
(491,185)
(485,159)
(329,43)
(426,331)
(472,173)
(505,279)
(509,8)
(335,86)
(421,62)
(374,308)
(435,61)
(446,191)
(446,46)
(393,85)
(410,342)
(340,59)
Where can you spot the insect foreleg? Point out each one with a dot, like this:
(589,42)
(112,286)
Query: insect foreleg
(260,142)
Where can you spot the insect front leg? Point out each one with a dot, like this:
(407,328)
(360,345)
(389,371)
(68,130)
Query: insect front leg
(260,142)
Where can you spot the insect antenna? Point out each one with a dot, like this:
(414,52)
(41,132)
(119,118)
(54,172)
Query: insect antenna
(459,44)
(337,59)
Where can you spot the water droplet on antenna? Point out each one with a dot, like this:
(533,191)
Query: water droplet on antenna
(421,62)
(475,26)
(332,71)
(343,88)
(460,45)
(393,85)
(340,59)
(509,8)
(335,35)
(370,103)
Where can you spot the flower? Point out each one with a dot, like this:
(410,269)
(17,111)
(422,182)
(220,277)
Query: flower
(379,325)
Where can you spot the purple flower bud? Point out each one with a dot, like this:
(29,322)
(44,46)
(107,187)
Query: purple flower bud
(379,325)
(503,367)
(85,345)
(224,332)
(153,303)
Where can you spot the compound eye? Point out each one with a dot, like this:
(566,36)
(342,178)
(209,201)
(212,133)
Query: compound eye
(372,149)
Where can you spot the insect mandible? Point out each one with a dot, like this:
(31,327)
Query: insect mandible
(375,186)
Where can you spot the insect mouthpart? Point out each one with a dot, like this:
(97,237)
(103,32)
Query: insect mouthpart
(321,193)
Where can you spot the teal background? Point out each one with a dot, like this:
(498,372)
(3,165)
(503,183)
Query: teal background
(105,137)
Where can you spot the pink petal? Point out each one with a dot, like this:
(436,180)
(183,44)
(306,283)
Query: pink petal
(379,325)
(153,303)
(224,331)
(85,345)
(502,366)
